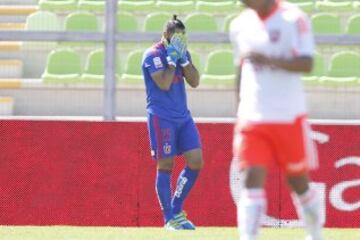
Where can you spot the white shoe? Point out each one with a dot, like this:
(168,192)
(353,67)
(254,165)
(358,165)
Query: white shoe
(314,238)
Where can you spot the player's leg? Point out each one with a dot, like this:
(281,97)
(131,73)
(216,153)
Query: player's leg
(308,205)
(252,203)
(163,190)
(188,144)
(300,157)
(162,138)
(254,154)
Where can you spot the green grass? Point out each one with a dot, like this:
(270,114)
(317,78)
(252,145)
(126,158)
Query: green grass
(118,233)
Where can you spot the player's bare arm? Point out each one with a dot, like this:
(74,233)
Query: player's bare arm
(191,75)
(301,64)
(164,78)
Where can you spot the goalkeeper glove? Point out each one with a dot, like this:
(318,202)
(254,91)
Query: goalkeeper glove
(172,55)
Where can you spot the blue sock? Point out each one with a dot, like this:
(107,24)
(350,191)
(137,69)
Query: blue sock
(184,184)
(163,190)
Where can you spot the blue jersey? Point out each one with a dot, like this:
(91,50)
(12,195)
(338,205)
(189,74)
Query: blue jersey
(171,104)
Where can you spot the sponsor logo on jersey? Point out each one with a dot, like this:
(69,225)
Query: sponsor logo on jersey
(274,36)
(157,62)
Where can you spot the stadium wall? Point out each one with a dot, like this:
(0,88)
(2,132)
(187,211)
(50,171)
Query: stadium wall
(37,99)
(101,174)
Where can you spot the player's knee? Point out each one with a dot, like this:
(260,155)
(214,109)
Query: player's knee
(255,177)
(299,184)
(196,164)
(165,164)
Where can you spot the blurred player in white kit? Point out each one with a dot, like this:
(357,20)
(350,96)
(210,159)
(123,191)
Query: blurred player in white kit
(273,47)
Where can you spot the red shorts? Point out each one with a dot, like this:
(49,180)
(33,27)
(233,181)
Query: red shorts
(287,145)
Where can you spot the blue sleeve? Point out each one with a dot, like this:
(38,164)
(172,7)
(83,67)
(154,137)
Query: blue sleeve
(189,56)
(154,64)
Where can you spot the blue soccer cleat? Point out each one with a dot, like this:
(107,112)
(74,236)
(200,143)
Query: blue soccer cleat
(173,225)
(182,220)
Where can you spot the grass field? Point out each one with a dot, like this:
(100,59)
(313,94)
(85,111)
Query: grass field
(112,233)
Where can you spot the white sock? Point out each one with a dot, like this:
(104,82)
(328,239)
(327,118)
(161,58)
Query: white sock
(309,209)
(250,210)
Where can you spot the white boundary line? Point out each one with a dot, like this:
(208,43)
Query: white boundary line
(143,119)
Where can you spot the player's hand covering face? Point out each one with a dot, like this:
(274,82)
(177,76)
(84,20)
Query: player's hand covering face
(179,42)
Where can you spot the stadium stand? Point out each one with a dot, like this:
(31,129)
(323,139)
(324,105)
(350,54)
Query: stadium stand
(199,16)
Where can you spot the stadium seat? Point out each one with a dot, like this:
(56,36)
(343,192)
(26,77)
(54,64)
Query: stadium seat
(58,5)
(334,6)
(175,6)
(326,23)
(81,22)
(219,68)
(155,22)
(196,60)
(126,22)
(146,6)
(215,7)
(94,71)
(42,21)
(201,22)
(92,5)
(227,21)
(344,70)
(353,25)
(63,66)
(132,72)
(318,71)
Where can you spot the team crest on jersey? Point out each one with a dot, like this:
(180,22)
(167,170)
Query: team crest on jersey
(167,148)
(274,36)
(157,62)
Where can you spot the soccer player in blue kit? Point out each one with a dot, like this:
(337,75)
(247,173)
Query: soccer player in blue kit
(166,66)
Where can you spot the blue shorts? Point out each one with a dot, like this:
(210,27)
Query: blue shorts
(170,138)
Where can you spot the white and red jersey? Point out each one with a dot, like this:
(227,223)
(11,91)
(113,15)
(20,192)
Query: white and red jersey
(268,94)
